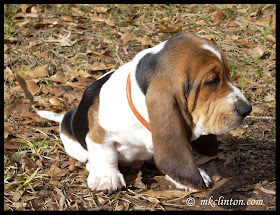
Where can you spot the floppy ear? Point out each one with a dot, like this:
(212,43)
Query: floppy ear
(206,145)
(171,135)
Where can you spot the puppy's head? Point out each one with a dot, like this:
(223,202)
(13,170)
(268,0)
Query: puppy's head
(189,94)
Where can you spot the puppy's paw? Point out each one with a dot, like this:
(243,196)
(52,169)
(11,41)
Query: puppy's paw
(105,181)
(180,186)
(207,180)
(205,177)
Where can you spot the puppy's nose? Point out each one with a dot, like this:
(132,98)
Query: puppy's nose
(244,110)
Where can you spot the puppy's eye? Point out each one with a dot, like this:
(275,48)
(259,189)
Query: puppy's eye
(214,81)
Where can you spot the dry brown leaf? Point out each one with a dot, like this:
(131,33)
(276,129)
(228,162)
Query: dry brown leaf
(243,10)
(38,72)
(271,105)
(204,159)
(166,27)
(259,91)
(46,89)
(126,37)
(7,130)
(269,97)
(61,198)
(145,41)
(243,43)
(261,188)
(77,12)
(10,39)
(237,132)
(201,22)
(67,18)
(95,66)
(68,71)
(29,163)
(235,77)
(220,183)
(99,9)
(219,15)
(44,54)
(263,22)
(59,77)
(62,172)
(271,38)
(208,36)
(32,87)
(229,159)
(256,110)
(23,23)
(63,40)
(200,195)
(82,82)
(17,108)
(139,19)
(8,74)
(83,73)
(70,96)
(273,23)
(255,13)
(53,170)
(272,57)
(168,193)
(33,43)
(23,8)
(54,101)
(138,181)
(13,145)
(257,52)
(100,19)
(17,195)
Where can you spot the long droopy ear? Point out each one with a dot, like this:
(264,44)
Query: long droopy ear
(171,135)
(206,145)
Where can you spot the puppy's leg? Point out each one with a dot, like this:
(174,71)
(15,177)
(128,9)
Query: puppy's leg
(73,148)
(103,167)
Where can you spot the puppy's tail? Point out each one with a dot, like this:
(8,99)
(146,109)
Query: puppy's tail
(57,117)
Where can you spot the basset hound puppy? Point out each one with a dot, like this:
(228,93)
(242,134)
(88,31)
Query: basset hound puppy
(169,100)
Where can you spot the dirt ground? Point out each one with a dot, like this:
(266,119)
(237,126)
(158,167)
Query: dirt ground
(52,52)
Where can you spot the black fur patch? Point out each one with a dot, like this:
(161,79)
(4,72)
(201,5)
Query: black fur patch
(66,123)
(149,65)
(76,122)
(146,69)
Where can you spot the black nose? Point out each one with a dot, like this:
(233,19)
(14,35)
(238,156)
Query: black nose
(244,110)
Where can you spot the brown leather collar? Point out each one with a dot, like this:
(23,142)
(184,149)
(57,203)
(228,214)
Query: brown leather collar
(136,113)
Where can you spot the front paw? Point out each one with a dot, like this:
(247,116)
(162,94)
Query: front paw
(110,180)
(178,185)
(205,177)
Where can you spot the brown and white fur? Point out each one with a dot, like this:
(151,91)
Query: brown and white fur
(181,87)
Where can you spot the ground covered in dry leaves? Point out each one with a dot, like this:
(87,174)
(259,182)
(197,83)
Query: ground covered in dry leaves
(52,52)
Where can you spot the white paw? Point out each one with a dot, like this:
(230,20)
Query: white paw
(205,177)
(179,186)
(110,180)
(88,166)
